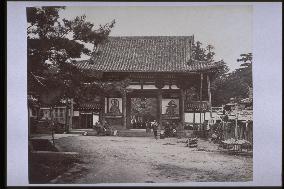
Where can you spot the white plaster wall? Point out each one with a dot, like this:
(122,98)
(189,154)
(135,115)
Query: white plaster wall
(166,87)
(188,117)
(95,118)
(207,115)
(134,87)
(149,87)
(197,117)
(174,87)
(76,113)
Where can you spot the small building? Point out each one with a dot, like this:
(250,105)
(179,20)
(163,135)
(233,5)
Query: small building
(165,82)
(85,115)
(60,114)
(40,116)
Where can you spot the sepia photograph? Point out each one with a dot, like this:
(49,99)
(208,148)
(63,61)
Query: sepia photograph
(140,94)
(111,102)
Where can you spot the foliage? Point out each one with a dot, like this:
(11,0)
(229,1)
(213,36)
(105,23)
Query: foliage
(246,59)
(226,85)
(235,84)
(207,54)
(142,106)
(202,54)
(53,44)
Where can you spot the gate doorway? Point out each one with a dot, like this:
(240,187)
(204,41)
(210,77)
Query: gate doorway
(86,120)
(142,110)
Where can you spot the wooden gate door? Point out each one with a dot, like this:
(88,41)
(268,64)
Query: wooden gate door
(86,121)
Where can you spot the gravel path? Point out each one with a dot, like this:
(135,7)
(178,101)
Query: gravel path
(146,160)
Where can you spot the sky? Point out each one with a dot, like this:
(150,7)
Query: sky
(227,28)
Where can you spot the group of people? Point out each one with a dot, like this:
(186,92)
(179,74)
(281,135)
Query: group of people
(170,129)
(149,126)
(139,124)
(155,126)
(103,128)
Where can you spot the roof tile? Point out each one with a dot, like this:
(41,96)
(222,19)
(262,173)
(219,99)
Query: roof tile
(145,54)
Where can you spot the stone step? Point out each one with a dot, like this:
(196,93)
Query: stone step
(134,133)
(79,131)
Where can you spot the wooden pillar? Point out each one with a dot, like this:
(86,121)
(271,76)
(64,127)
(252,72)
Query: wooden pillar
(246,131)
(103,109)
(71,114)
(236,128)
(52,123)
(66,118)
(201,82)
(128,112)
(209,96)
(159,98)
(223,130)
(194,118)
(236,122)
(182,108)
(124,110)
(79,126)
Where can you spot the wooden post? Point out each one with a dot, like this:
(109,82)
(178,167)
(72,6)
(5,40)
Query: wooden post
(236,129)
(201,81)
(236,126)
(223,130)
(66,118)
(103,110)
(194,118)
(182,119)
(209,96)
(71,114)
(246,131)
(52,124)
(128,113)
(160,106)
(107,109)
(80,120)
(124,109)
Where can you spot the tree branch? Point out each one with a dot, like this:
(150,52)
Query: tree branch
(38,79)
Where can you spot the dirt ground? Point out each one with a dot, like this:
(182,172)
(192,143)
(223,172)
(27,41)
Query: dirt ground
(111,159)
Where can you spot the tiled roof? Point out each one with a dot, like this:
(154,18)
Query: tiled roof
(145,54)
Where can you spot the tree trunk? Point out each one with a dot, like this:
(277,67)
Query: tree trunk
(52,124)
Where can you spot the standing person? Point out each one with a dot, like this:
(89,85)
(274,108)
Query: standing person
(155,129)
(148,126)
(167,129)
(108,129)
(134,123)
(174,129)
(100,128)
(144,125)
(139,124)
